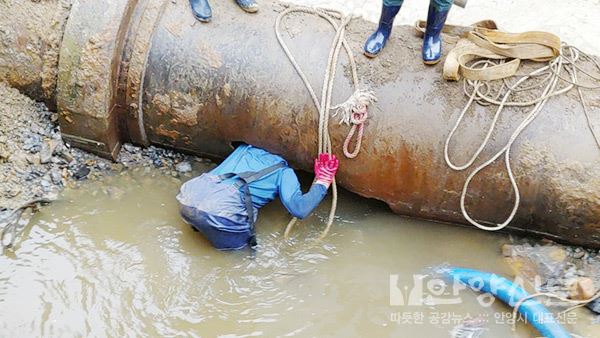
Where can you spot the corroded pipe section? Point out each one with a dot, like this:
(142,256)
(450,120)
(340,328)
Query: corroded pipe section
(208,85)
(135,58)
(90,61)
(145,71)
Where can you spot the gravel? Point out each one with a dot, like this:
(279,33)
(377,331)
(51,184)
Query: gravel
(35,162)
(184,167)
(552,267)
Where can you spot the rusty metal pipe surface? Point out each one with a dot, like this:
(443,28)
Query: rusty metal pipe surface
(198,87)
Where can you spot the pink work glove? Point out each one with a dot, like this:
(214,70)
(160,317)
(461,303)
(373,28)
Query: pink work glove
(325,168)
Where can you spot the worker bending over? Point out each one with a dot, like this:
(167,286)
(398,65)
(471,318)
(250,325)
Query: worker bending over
(202,11)
(432,43)
(223,203)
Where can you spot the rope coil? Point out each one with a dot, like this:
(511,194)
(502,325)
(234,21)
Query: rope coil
(353,111)
(480,91)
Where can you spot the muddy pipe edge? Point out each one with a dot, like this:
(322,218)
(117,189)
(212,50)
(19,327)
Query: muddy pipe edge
(88,73)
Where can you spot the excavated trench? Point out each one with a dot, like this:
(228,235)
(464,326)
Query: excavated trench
(145,72)
(112,257)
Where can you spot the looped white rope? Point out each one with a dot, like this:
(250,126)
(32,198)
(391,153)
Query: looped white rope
(355,112)
(566,62)
(576,303)
(357,102)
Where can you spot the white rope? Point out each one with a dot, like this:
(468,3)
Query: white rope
(358,102)
(576,303)
(552,72)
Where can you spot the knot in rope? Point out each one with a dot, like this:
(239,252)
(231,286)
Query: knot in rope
(355,112)
(359,117)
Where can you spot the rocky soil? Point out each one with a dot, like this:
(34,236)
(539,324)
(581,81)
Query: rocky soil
(35,162)
(545,266)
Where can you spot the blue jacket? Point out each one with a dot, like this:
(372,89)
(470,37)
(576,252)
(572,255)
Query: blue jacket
(282,182)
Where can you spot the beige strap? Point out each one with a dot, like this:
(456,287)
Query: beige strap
(492,44)
(458,31)
(538,46)
(456,64)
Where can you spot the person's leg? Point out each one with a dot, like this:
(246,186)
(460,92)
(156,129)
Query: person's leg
(201,10)
(378,39)
(432,42)
(393,2)
(249,6)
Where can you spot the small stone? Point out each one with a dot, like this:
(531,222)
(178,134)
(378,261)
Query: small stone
(582,288)
(56,176)
(558,254)
(32,143)
(578,253)
(81,173)
(594,306)
(131,148)
(13,192)
(45,153)
(45,183)
(33,158)
(102,166)
(58,160)
(35,129)
(115,192)
(183,167)
(508,250)
(53,146)
(66,156)
(4,154)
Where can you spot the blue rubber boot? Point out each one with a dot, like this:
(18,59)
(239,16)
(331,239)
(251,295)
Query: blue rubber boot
(249,6)
(201,10)
(432,41)
(377,40)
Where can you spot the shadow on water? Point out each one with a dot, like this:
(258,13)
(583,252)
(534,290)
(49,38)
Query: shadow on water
(113,258)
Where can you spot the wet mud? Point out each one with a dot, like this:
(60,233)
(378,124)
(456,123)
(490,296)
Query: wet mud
(113,258)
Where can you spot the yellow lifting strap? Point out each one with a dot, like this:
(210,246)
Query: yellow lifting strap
(455,31)
(488,43)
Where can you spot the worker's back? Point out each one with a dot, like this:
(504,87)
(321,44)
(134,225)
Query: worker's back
(247,158)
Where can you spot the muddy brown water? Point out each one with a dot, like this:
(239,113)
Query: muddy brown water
(113,258)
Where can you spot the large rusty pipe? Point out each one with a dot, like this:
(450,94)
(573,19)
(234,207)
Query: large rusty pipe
(149,70)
